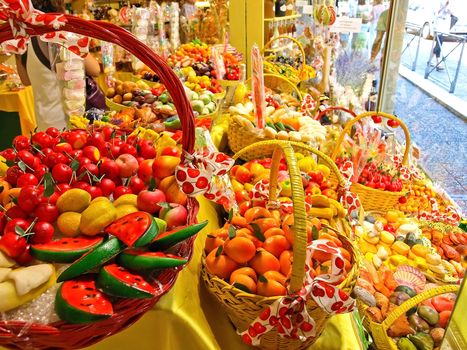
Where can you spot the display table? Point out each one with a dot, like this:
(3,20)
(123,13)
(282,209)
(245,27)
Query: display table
(22,102)
(189,318)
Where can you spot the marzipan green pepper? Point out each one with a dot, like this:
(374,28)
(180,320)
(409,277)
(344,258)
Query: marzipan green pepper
(422,341)
(405,344)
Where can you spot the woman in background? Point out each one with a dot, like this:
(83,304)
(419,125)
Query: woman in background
(35,69)
(376,11)
(360,41)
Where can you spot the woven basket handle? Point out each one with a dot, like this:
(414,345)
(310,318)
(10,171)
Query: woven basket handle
(355,120)
(295,41)
(111,33)
(334,108)
(406,306)
(277,76)
(279,148)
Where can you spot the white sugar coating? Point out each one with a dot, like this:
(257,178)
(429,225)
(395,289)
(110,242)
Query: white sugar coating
(40,310)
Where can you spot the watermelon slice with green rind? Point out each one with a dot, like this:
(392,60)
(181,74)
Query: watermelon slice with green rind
(168,239)
(140,260)
(79,301)
(93,259)
(119,282)
(135,229)
(64,250)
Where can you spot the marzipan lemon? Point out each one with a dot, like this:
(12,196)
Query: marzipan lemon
(128,198)
(98,199)
(96,217)
(75,200)
(125,209)
(68,223)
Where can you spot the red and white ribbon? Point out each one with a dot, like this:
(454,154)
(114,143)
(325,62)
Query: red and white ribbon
(289,315)
(200,174)
(350,200)
(308,105)
(21,16)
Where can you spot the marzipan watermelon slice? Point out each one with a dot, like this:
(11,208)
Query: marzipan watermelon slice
(135,229)
(79,301)
(92,259)
(167,239)
(137,259)
(64,250)
(119,282)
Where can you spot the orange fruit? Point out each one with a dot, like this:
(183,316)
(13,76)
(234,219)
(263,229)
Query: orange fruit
(265,224)
(345,253)
(245,271)
(274,231)
(239,221)
(285,261)
(221,266)
(256,213)
(212,242)
(240,249)
(4,189)
(264,261)
(275,276)
(270,288)
(276,245)
(242,282)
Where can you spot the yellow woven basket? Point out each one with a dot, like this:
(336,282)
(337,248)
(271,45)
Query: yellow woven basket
(371,198)
(239,136)
(241,307)
(379,330)
(295,76)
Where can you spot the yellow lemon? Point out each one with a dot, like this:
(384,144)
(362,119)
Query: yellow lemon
(125,209)
(68,223)
(75,200)
(325,170)
(96,217)
(98,199)
(130,199)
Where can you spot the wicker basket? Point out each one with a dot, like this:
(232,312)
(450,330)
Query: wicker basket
(240,137)
(241,307)
(296,75)
(371,198)
(61,335)
(379,330)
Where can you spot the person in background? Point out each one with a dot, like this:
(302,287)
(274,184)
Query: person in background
(376,11)
(443,23)
(360,41)
(381,28)
(35,69)
(188,9)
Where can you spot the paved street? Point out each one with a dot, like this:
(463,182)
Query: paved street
(441,77)
(441,137)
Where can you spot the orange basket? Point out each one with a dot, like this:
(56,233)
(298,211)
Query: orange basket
(61,335)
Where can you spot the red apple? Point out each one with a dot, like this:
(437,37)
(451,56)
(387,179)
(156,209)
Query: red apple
(109,168)
(316,176)
(330,193)
(149,200)
(92,152)
(164,166)
(121,190)
(127,164)
(145,170)
(174,215)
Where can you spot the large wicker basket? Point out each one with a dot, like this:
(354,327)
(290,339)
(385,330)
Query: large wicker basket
(241,307)
(379,330)
(61,335)
(371,198)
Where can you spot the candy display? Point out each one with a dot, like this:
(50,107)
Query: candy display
(243,194)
